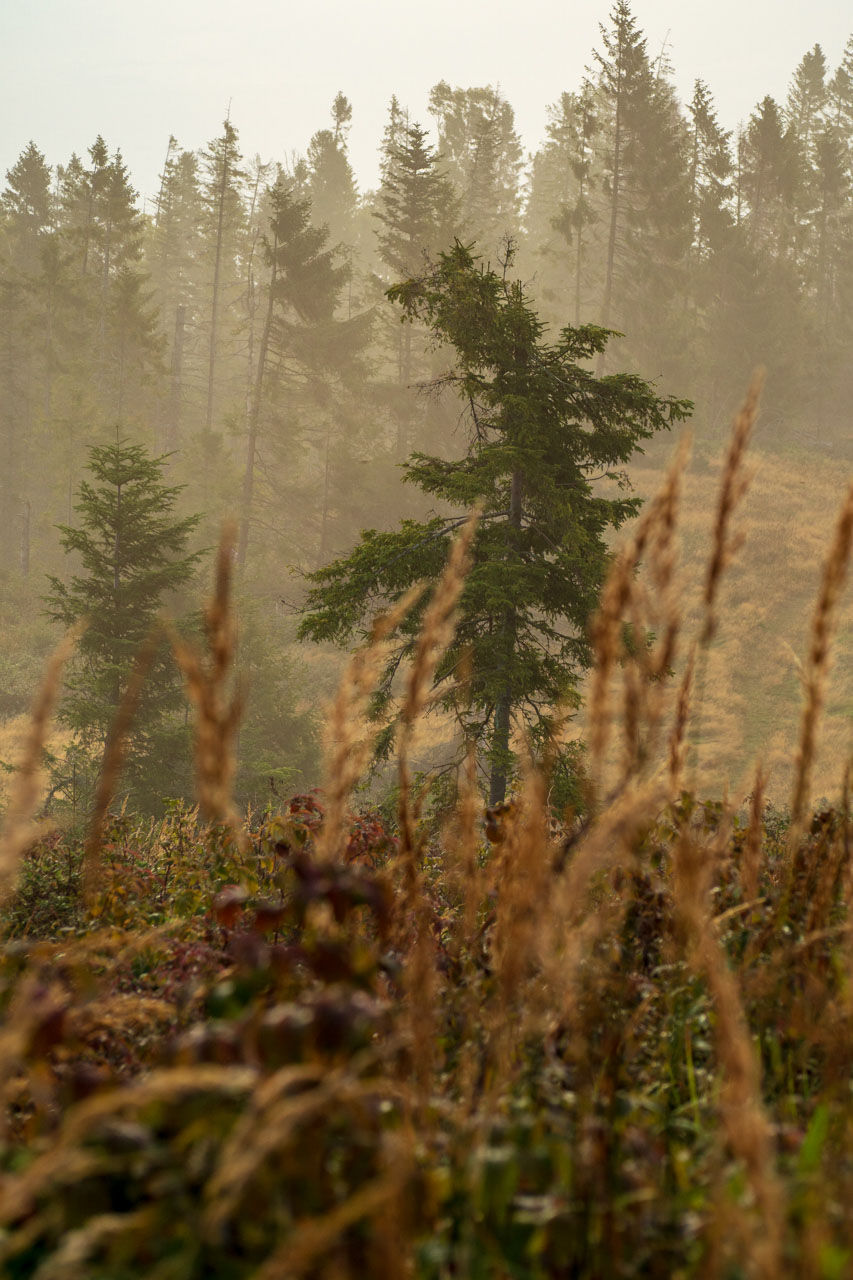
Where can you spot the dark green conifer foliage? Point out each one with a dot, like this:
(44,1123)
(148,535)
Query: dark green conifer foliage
(304,349)
(544,432)
(132,553)
(478,142)
(25,217)
(331,182)
(645,184)
(560,211)
(26,205)
(223,221)
(418,211)
(417,203)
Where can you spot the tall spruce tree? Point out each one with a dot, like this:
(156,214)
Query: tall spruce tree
(131,552)
(25,228)
(418,211)
(481,149)
(645,183)
(222,224)
(544,433)
(560,209)
(302,350)
(331,181)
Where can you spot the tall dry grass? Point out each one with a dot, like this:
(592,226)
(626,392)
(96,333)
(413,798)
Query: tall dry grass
(637,990)
(17,832)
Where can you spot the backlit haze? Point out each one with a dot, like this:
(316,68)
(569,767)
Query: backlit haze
(71,69)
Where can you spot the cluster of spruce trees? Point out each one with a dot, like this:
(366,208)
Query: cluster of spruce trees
(239,320)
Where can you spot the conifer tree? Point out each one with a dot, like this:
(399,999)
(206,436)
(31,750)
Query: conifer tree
(25,218)
(560,210)
(26,206)
(223,222)
(302,344)
(645,184)
(331,183)
(542,430)
(417,209)
(174,259)
(481,149)
(130,553)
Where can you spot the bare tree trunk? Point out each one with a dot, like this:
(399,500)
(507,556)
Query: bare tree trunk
(503,706)
(172,143)
(214,306)
(404,414)
(254,420)
(173,433)
(324,522)
(614,214)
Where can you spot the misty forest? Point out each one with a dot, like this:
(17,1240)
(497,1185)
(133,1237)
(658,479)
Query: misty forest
(426,687)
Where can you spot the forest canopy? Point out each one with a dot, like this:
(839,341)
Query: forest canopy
(238,323)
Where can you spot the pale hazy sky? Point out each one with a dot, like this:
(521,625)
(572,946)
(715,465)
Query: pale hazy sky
(70,69)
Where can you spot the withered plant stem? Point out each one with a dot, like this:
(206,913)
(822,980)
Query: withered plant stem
(734,484)
(622,601)
(113,759)
(17,831)
(218,709)
(817,665)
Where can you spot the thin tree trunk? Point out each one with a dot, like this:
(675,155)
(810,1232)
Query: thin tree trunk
(102,321)
(174,429)
(327,471)
(172,142)
(614,216)
(614,209)
(585,135)
(503,706)
(214,307)
(404,415)
(254,419)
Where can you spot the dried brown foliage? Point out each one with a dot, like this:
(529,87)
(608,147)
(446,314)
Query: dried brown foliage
(621,1051)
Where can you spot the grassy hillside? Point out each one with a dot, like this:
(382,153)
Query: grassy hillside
(327,1048)
(753,693)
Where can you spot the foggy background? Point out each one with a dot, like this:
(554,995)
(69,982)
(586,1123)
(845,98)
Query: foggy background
(137,298)
(139,76)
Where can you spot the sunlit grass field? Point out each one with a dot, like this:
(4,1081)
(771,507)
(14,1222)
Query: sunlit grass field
(332,1043)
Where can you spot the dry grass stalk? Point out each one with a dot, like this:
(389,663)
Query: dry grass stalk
(73,1258)
(218,712)
(746,1125)
(817,665)
(421,979)
(18,830)
(573,922)
(523,888)
(422,984)
(832,851)
(462,841)
(111,765)
(65,1159)
(436,633)
(733,486)
(606,841)
(750,868)
(274,1121)
(315,1237)
(655,608)
(349,740)
(620,599)
(678,735)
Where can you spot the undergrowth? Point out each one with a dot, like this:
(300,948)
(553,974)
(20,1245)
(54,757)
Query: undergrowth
(324,1043)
